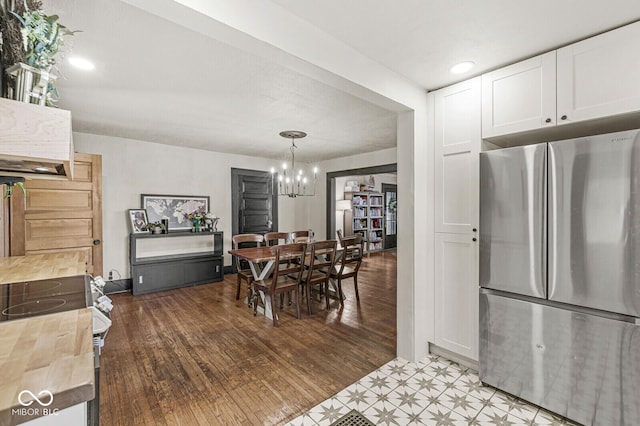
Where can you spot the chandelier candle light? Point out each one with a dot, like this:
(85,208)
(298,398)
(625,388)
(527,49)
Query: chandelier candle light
(289,183)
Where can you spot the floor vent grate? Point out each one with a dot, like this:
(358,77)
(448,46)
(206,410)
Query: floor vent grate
(353,418)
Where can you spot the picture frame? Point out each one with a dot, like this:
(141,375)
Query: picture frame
(138,221)
(173,208)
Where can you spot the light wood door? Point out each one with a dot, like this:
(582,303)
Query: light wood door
(457,145)
(520,97)
(598,77)
(59,215)
(456,293)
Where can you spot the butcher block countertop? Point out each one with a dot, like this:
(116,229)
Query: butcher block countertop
(51,352)
(41,266)
(48,352)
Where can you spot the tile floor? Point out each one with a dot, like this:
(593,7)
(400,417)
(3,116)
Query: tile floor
(434,391)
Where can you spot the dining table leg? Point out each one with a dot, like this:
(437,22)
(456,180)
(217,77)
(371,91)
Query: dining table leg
(261,272)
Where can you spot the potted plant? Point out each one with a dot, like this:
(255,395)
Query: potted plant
(31,42)
(155,227)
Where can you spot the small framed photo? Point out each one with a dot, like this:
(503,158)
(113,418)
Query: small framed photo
(138,220)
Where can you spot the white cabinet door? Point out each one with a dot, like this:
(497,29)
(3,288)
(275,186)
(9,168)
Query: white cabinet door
(456,293)
(457,144)
(520,97)
(600,76)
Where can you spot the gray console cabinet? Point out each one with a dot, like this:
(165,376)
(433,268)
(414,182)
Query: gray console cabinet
(177,259)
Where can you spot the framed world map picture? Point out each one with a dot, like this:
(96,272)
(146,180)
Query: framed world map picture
(174,208)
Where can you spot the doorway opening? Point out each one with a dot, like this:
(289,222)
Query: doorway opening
(332,190)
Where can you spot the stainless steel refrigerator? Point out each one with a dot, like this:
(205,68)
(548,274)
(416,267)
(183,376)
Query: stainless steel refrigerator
(560,276)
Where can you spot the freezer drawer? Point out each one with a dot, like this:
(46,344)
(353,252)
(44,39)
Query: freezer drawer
(584,367)
(513,230)
(594,222)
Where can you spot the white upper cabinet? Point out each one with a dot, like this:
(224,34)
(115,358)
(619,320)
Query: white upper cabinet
(600,76)
(591,79)
(457,145)
(519,97)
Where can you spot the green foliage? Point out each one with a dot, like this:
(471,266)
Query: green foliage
(9,189)
(42,37)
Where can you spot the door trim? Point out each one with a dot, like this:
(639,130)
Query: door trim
(387,186)
(331,190)
(235,207)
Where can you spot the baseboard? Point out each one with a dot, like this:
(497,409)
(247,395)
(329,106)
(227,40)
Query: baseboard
(118,286)
(452,356)
(228,270)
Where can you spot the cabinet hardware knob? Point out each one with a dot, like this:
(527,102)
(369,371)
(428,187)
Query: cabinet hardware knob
(564,117)
(548,120)
(96,242)
(475,229)
(474,239)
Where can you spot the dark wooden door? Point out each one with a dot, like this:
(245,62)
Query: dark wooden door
(390,193)
(254,202)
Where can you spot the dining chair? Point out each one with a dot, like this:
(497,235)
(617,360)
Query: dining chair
(321,258)
(349,263)
(276,238)
(283,280)
(302,236)
(340,236)
(244,270)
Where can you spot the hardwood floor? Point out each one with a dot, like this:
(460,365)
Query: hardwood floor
(196,356)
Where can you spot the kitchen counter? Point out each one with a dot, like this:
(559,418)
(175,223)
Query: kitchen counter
(48,352)
(41,266)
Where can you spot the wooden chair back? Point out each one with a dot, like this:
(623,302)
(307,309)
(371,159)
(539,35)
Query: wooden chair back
(276,238)
(321,255)
(239,241)
(352,254)
(340,236)
(302,236)
(321,258)
(291,255)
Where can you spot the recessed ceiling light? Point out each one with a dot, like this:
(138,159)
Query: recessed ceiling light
(462,67)
(81,63)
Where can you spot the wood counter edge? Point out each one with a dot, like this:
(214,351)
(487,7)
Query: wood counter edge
(78,393)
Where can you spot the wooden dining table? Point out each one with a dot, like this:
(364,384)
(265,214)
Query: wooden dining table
(262,261)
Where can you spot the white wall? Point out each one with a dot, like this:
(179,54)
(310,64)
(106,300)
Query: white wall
(131,168)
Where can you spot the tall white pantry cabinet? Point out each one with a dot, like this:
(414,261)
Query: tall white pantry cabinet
(586,87)
(457,135)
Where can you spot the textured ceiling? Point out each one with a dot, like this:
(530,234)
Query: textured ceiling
(161,82)
(182,88)
(422,39)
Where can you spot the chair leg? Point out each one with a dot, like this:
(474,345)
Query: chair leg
(274,313)
(254,301)
(238,289)
(297,302)
(340,292)
(326,293)
(355,285)
(308,295)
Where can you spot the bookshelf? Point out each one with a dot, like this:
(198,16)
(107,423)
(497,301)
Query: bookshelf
(367,218)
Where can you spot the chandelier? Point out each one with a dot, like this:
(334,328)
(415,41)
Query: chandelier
(290,183)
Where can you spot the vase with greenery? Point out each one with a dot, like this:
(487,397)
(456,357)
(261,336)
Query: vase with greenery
(32,38)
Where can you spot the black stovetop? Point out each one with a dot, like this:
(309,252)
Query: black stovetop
(42,297)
